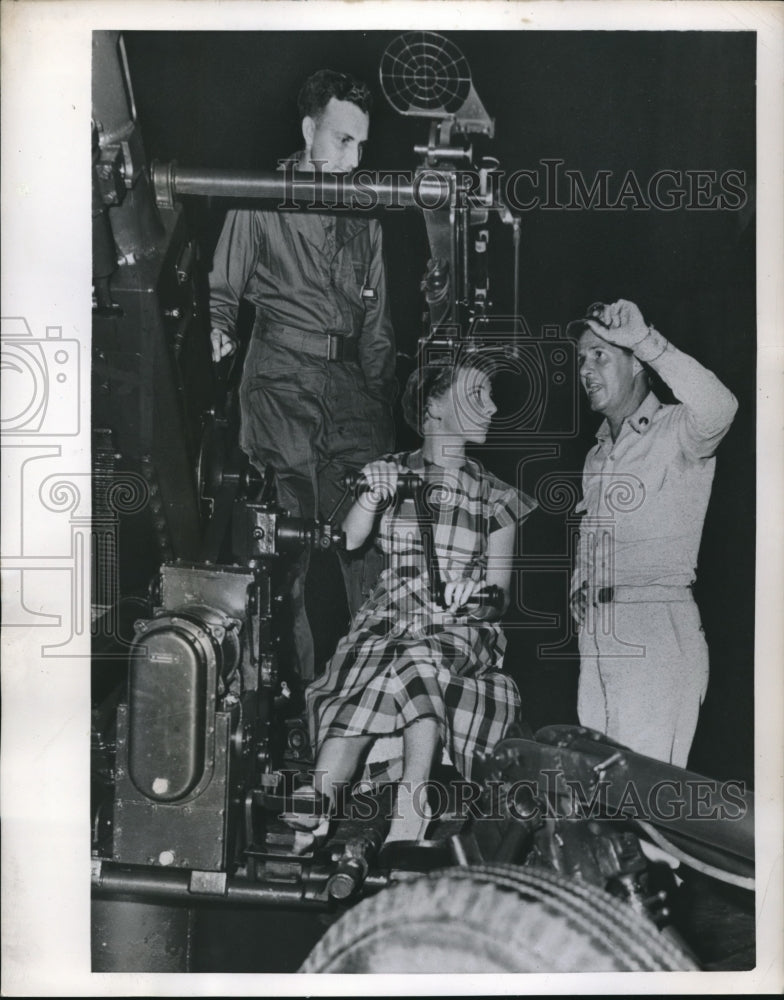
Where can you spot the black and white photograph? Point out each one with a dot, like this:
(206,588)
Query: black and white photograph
(391,498)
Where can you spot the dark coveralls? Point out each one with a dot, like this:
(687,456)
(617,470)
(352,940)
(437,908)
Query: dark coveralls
(318,380)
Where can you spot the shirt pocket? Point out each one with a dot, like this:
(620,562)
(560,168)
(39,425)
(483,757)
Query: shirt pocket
(359,270)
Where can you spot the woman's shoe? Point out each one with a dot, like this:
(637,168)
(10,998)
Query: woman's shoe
(406,845)
(306,841)
(412,818)
(311,811)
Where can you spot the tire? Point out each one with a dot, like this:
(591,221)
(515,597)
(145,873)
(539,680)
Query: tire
(493,918)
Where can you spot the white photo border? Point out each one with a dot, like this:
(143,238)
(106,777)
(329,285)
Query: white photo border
(46,59)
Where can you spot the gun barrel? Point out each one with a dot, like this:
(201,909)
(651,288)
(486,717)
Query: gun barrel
(297,189)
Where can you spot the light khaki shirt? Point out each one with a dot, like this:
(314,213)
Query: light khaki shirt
(645,494)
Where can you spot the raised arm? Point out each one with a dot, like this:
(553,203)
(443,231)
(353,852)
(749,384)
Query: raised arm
(708,406)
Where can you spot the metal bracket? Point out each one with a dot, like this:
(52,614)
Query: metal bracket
(208,883)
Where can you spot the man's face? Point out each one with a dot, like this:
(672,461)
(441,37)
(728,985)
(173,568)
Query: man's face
(607,375)
(334,139)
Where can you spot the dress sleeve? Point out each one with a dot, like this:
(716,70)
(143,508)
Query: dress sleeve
(508,506)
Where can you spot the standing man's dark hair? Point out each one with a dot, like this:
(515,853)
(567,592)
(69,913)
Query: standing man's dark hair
(319,376)
(324,84)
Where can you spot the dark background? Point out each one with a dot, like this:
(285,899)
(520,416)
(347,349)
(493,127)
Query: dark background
(619,101)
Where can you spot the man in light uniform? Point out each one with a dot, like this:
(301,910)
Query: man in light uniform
(646,486)
(319,377)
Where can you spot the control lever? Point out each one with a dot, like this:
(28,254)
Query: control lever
(407,483)
(409,486)
(489,596)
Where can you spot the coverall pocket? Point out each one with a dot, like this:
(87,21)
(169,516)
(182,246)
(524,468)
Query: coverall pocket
(380,425)
(275,361)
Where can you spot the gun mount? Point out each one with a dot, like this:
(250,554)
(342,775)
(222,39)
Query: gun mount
(201,749)
(210,753)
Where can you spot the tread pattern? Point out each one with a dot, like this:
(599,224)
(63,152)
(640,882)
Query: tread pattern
(494,918)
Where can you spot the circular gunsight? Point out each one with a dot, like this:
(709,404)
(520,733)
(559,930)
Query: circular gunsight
(425,72)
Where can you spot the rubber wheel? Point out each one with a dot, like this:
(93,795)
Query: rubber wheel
(493,918)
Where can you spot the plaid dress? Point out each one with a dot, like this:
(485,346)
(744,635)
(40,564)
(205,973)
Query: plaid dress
(405,657)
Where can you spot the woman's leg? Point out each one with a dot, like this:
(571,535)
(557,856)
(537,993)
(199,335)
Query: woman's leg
(412,815)
(337,762)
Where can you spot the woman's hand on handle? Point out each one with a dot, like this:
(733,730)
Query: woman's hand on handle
(459,592)
(380,481)
(374,493)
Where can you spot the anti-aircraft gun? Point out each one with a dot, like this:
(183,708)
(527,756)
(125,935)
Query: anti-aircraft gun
(199,748)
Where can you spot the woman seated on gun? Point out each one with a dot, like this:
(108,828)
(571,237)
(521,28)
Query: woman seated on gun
(422,663)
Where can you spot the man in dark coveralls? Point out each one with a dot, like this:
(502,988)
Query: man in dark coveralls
(318,380)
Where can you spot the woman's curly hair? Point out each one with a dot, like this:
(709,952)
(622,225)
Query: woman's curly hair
(431,381)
